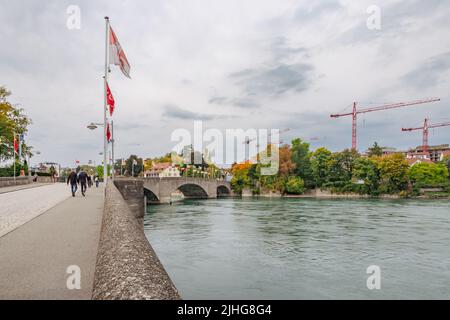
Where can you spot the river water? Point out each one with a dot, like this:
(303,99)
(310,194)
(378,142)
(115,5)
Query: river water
(303,248)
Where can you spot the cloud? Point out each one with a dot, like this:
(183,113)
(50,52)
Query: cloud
(275,81)
(241,102)
(175,112)
(429,73)
(282,51)
(316,9)
(268,61)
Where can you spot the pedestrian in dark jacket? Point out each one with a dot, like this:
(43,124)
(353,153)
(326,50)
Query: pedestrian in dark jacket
(73,180)
(82,179)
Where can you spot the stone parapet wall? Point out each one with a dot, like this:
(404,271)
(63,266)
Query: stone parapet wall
(127,267)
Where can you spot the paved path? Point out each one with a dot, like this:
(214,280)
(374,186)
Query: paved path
(22,187)
(35,256)
(21,206)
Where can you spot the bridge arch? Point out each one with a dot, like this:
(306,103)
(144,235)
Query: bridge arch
(167,188)
(223,191)
(193,191)
(151,196)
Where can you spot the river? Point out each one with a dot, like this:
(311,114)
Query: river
(303,248)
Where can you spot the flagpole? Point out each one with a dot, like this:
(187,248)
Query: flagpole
(14,152)
(112,149)
(105,142)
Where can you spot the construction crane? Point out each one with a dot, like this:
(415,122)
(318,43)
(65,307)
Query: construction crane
(248,140)
(357,111)
(425,128)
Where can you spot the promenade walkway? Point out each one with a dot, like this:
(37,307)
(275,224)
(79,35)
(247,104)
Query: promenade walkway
(43,231)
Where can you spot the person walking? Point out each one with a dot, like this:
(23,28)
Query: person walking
(89,180)
(96,181)
(83,179)
(73,180)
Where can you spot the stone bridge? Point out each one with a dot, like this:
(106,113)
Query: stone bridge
(160,190)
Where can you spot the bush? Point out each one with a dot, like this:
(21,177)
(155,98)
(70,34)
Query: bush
(295,185)
(9,171)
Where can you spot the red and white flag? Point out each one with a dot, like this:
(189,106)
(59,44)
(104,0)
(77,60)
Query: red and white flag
(110,100)
(108,132)
(16,145)
(117,56)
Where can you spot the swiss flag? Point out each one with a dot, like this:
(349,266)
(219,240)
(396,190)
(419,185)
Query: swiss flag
(108,132)
(109,100)
(117,55)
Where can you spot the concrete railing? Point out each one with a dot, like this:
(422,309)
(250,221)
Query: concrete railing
(127,267)
(10,181)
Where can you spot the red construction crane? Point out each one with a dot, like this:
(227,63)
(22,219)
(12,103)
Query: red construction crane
(425,128)
(357,111)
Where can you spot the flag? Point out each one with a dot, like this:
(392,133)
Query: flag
(108,132)
(21,141)
(109,100)
(16,145)
(117,56)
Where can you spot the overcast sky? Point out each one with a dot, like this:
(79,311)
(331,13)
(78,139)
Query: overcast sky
(233,64)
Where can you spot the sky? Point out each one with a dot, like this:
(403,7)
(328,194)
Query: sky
(232,64)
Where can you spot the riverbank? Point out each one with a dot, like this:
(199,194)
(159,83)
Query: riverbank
(326,194)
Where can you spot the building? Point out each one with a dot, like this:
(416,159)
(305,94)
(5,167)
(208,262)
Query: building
(413,161)
(44,167)
(162,170)
(388,151)
(418,155)
(434,153)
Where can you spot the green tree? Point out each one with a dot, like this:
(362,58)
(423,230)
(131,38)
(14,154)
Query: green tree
(12,119)
(302,161)
(393,173)
(137,165)
(240,178)
(366,169)
(375,150)
(295,185)
(341,167)
(428,175)
(99,171)
(320,164)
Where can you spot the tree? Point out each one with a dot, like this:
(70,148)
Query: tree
(286,166)
(320,164)
(428,175)
(12,120)
(52,171)
(446,162)
(99,171)
(240,178)
(341,167)
(302,161)
(393,173)
(375,150)
(133,161)
(295,185)
(366,169)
